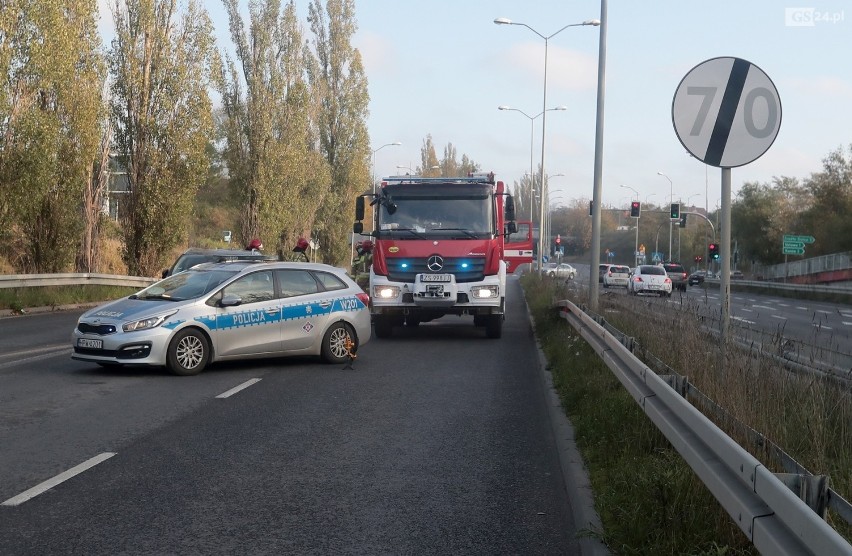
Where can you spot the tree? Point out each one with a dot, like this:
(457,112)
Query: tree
(270,141)
(339,82)
(160,63)
(827,219)
(49,125)
(428,160)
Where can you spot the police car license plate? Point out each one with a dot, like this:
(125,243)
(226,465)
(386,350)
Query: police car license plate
(435,277)
(91,344)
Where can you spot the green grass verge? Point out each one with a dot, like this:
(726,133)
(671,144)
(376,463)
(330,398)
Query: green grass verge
(648,498)
(21,299)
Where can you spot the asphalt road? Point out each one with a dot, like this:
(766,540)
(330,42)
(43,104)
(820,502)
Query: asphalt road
(438,442)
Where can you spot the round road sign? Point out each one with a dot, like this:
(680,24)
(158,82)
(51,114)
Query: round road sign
(726,112)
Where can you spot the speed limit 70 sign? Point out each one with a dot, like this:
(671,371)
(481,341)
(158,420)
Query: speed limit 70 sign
(726,112)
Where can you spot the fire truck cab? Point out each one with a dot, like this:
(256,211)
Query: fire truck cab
(438,249)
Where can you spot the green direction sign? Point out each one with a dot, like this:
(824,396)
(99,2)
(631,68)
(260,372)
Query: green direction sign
(793,250)
(799,239)
(793,245)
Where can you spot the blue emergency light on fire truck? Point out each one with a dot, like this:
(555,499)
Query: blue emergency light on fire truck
(438,249)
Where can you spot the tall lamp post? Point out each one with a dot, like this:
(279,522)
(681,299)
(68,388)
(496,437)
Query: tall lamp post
(636,242)
(505,21)
(394,144)
(671,200)
(532,132)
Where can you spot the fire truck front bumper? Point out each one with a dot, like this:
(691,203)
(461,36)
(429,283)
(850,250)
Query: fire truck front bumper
(438,291)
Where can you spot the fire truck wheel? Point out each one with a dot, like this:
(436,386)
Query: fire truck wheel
(383,326)
(412,321)
(494,326)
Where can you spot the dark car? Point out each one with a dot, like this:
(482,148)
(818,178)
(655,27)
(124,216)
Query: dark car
(697,277)
(677,274)
(194,256)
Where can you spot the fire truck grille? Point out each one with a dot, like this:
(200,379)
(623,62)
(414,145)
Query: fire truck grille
(466,269)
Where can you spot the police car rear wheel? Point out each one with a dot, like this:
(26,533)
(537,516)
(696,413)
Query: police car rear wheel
(334,343)
(188,353)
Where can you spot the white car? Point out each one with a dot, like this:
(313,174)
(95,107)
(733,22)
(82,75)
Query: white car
(229,310)
(616,275)
(561,270)
(650,279)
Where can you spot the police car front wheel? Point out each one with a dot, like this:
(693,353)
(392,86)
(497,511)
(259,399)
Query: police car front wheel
(189,352)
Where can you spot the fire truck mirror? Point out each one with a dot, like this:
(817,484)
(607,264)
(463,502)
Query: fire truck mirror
(358,228)
(511,227)
(359,208)
(510,208)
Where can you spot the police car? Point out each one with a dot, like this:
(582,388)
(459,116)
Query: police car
(229,310)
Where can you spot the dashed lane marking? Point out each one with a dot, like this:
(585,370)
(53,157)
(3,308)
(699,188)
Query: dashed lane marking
(61,478)
(236,389)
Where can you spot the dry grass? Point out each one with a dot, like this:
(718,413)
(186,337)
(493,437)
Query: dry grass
(808,417)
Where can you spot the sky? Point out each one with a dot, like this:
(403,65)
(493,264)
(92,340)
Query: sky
(442,68)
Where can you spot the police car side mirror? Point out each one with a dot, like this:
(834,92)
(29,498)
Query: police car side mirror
(230,300)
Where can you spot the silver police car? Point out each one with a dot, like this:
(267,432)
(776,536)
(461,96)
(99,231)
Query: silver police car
(229,310)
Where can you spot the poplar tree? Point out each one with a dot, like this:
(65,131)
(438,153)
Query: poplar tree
(49,126)
(160,64)
(270,145)
(339,84)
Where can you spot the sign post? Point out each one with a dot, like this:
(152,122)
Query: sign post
(727,113)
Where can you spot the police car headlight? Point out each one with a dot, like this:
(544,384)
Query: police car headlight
(485,292)
(145,324)
(385,292)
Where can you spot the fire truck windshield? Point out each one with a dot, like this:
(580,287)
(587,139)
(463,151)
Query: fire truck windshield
(438,217)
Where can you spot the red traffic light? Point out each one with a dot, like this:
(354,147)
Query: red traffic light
(635,208)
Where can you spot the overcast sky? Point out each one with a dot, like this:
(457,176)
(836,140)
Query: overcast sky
(442,67)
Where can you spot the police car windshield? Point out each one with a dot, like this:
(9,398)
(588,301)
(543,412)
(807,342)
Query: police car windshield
(189,284)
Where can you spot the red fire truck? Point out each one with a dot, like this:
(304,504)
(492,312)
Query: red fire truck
(438,250)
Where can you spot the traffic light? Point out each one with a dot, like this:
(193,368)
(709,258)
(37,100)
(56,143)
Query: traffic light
(683,220)
(698,258)
(635,209)
(675,214)
(713,250)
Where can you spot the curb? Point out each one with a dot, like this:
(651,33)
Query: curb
(8,313)
(580,494)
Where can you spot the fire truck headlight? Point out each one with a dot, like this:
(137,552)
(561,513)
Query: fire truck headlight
(385,292)
(485,292)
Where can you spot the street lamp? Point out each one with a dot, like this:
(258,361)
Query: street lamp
(547,193)
(506,21)
(394,144)
(671,196)
(532,132)
(636,241)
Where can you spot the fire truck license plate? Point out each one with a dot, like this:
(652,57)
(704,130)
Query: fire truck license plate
(435,277)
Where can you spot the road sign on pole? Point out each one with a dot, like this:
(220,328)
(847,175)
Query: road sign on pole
(726,112)
(799,239)
(793,250)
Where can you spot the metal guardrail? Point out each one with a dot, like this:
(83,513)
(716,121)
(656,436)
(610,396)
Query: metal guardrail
(73,279)
(814,265)
(811,288)
(770,514)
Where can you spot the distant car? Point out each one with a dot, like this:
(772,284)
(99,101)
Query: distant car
(561,270)
(229,310)
(616,275)
(650,279)
(737,275)
(602,269)
(194,256)
(677,274)
(697,277)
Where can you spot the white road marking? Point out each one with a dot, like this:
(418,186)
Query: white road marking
(820,326)
(778,317)
(236,389)
(37,354)
(847,323)
(783,305)
(764,307)
(743,320)
(802,308)
(824,312)
(61,478)
(746,310)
